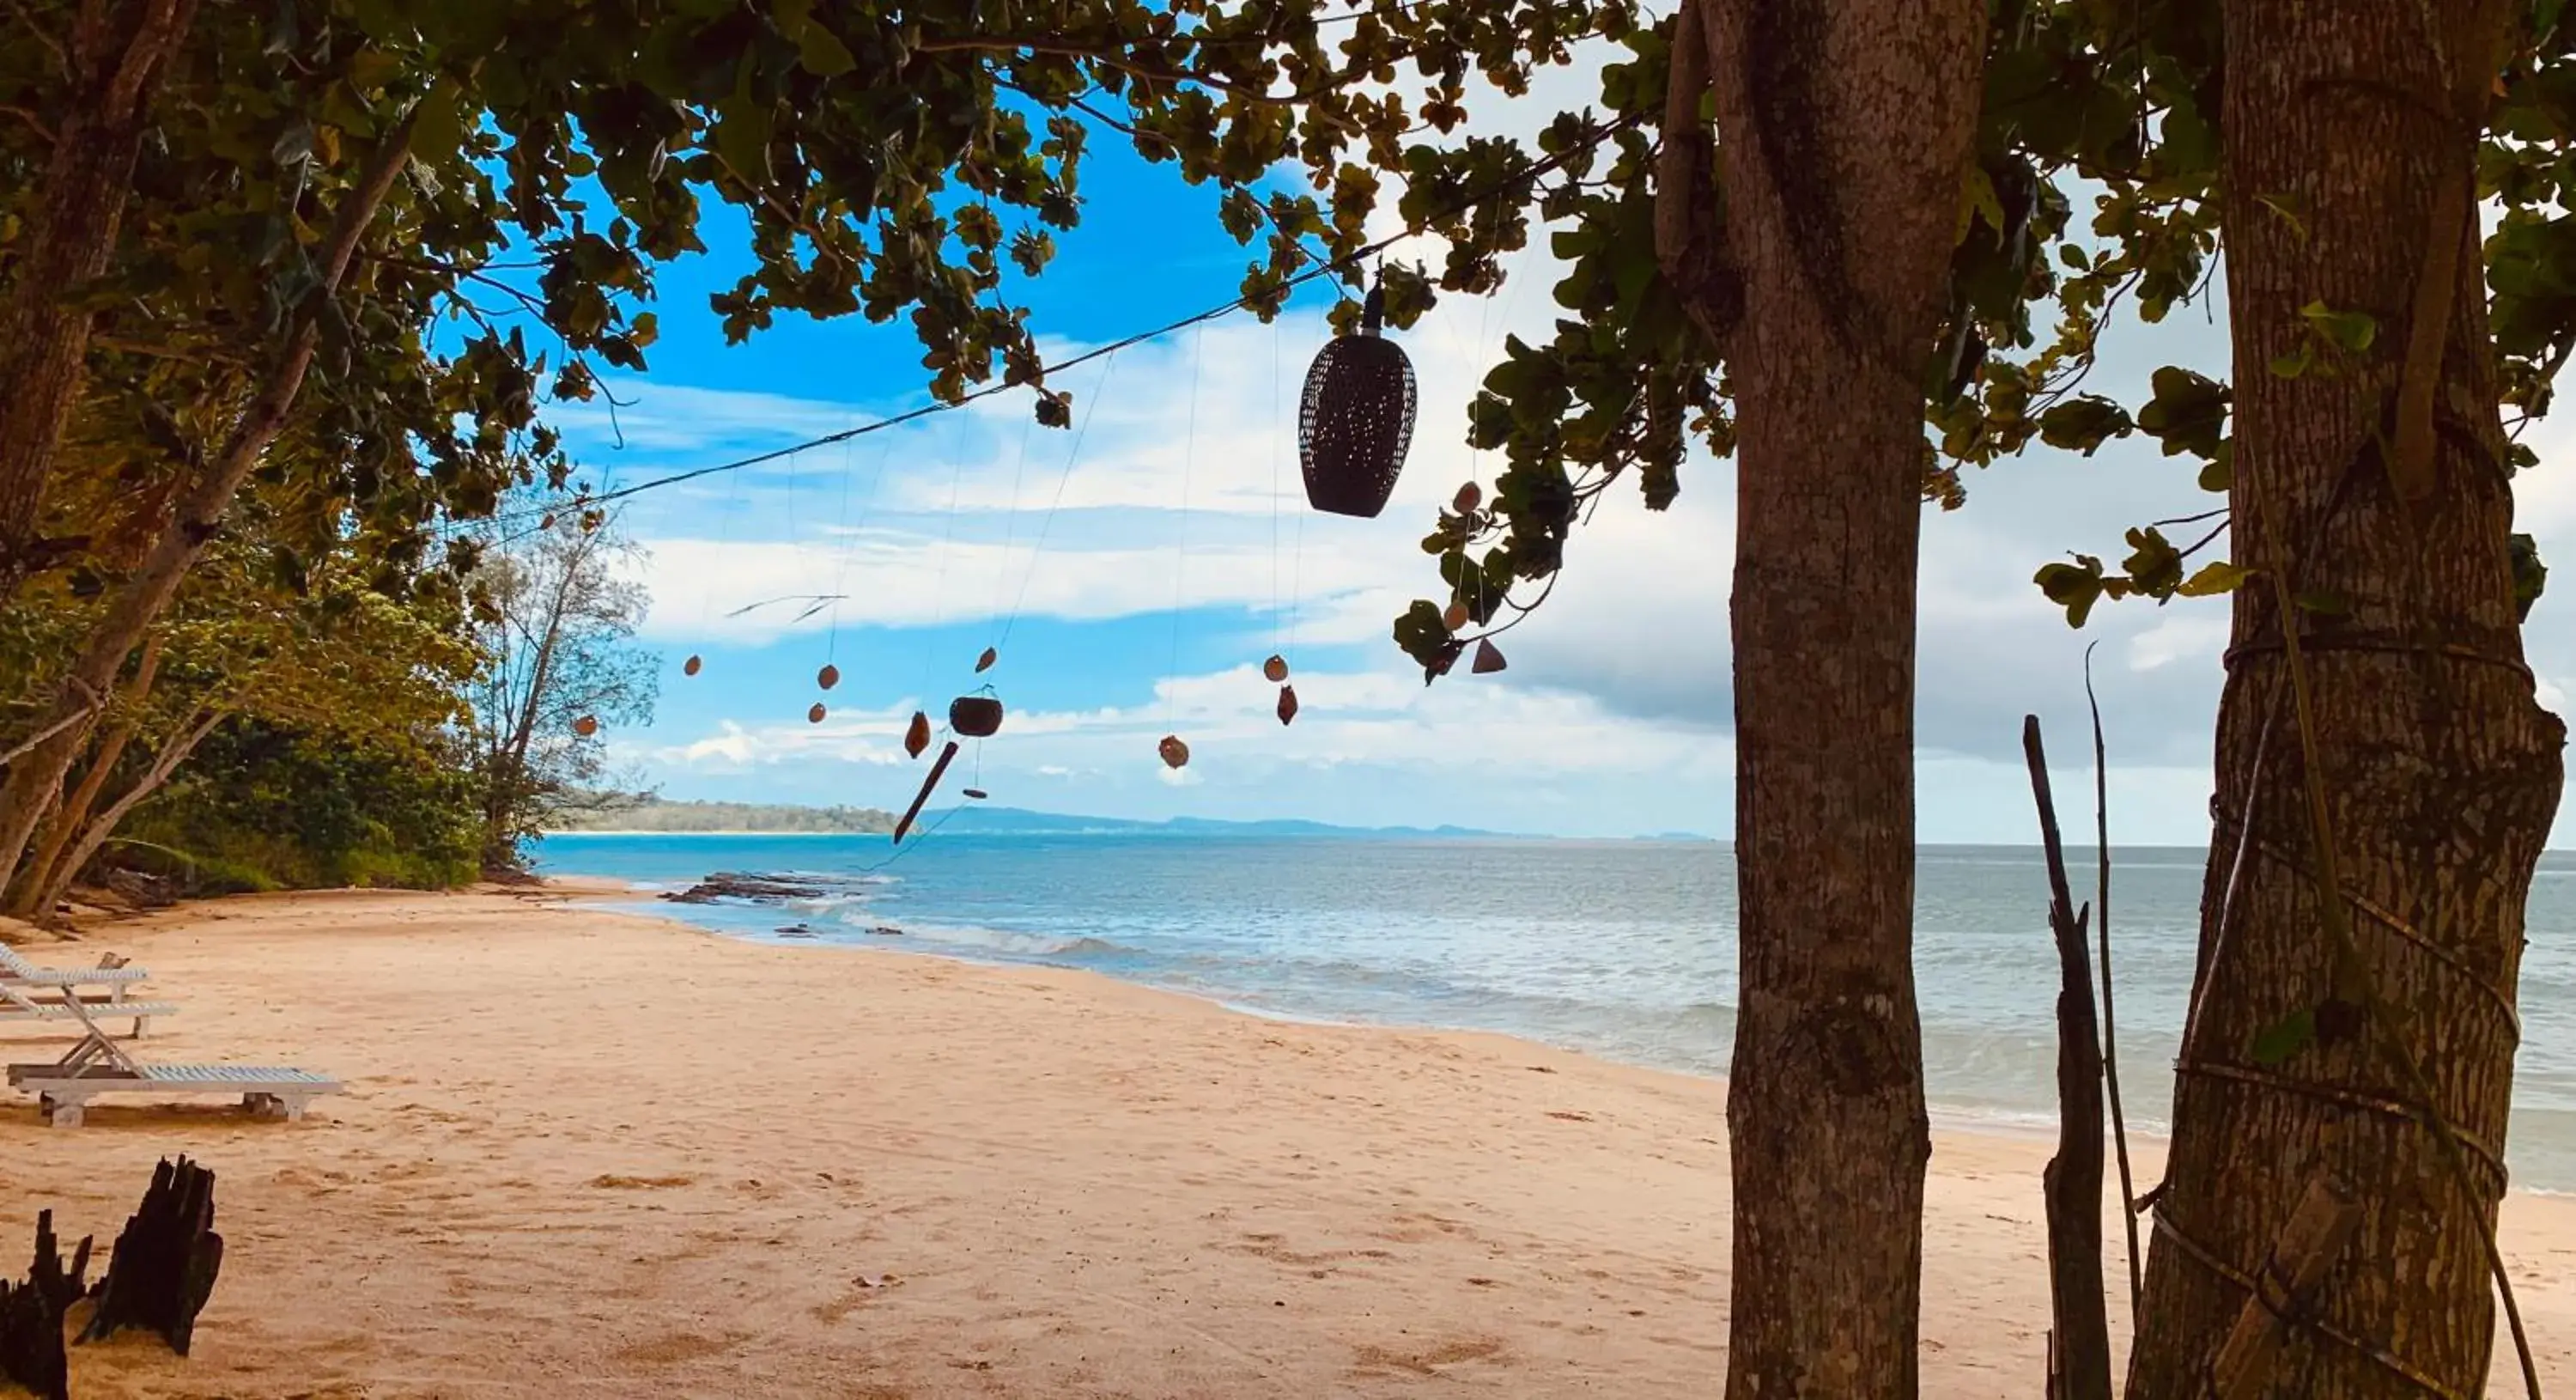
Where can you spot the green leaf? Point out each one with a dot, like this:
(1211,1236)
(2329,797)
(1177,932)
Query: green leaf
(2212,579)
(2084,423)
(2530,576)
(2348,331)
(2276,1043)
(2220,473)
(2074,587)
(823,53)
(2291,365)
(2154,566)
(438,125)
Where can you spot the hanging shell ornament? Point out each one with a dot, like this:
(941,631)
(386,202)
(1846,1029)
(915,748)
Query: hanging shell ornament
(691,666)
(1468,498)
(985,662)
(1287,703)
(1455,617)
(1489,659)
(916,736)
(976,794)
(815,715)
(1275,670)
(828,677)
(1175,753)
(586,726)
(1356,419)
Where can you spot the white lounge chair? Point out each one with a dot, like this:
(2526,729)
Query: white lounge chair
(64,984)
(23,1005)
(95,1066)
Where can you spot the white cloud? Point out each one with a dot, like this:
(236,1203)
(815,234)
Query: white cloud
(1185,486)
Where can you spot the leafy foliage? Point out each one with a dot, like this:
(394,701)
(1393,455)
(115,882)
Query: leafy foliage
(553,618)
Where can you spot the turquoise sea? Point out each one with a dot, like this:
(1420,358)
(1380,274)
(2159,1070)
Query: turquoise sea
(1622,949)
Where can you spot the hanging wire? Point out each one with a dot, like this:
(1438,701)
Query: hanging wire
(939,590)
(1181,530)
(1275,434)
(1011,517)
(1072,455)
(1333,268)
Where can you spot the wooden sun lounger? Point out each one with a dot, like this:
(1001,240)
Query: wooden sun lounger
(95,1066)
(18,1008)
(14,967)
(19,976)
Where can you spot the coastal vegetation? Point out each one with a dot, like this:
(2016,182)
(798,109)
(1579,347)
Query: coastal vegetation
(645,812)
(298,585)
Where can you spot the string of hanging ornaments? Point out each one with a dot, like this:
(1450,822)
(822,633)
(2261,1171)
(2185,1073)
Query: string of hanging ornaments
(1354,427)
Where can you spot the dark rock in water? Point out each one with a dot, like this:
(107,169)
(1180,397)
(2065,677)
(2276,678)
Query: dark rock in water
(886,931)
(756,889)
(796,931)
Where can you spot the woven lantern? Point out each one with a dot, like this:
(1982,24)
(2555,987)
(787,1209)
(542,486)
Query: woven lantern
(1356,418)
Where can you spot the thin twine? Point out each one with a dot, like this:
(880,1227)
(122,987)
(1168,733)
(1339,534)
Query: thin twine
(1072,455)
(841,569)
(939,590)
(1181,530)
(1011,518)
(1322,270)
(850,539)
(1275,434)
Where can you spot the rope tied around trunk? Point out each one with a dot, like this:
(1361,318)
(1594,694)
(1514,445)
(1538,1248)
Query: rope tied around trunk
(2371,910)
(2308,1318)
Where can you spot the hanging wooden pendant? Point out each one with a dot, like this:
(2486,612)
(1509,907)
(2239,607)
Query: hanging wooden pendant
(1275,669)
(1489,659)
(978,794)
(975,716)
(985,662)
(916,736)
(586,726)
(1175,753)
(691,666)
(1468,498)
(1454,617)
(815,715)
(1356,419)
(947,755)
(1287,703)
(828,677)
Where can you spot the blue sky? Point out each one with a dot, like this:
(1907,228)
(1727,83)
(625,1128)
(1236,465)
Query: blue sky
(1135,587)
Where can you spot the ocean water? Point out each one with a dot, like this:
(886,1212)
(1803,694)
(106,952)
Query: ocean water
(1622,949)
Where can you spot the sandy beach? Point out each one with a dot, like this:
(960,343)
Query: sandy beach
(589,1154)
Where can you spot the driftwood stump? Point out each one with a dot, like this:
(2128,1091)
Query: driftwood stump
(31,1317)
(164,1265)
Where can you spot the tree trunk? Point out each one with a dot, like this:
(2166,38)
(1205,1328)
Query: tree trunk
(58,881)
(117,51)
(28,899)
(2440,771)
(200,510)
(1845,127)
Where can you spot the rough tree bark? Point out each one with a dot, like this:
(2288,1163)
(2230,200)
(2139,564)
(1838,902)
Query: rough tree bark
(1845,128)
(139,602)
(116,54)
(2442,773)
(67,866)
(27,898)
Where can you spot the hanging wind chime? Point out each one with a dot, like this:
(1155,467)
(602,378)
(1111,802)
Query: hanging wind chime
(1356,419)
(976,716)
